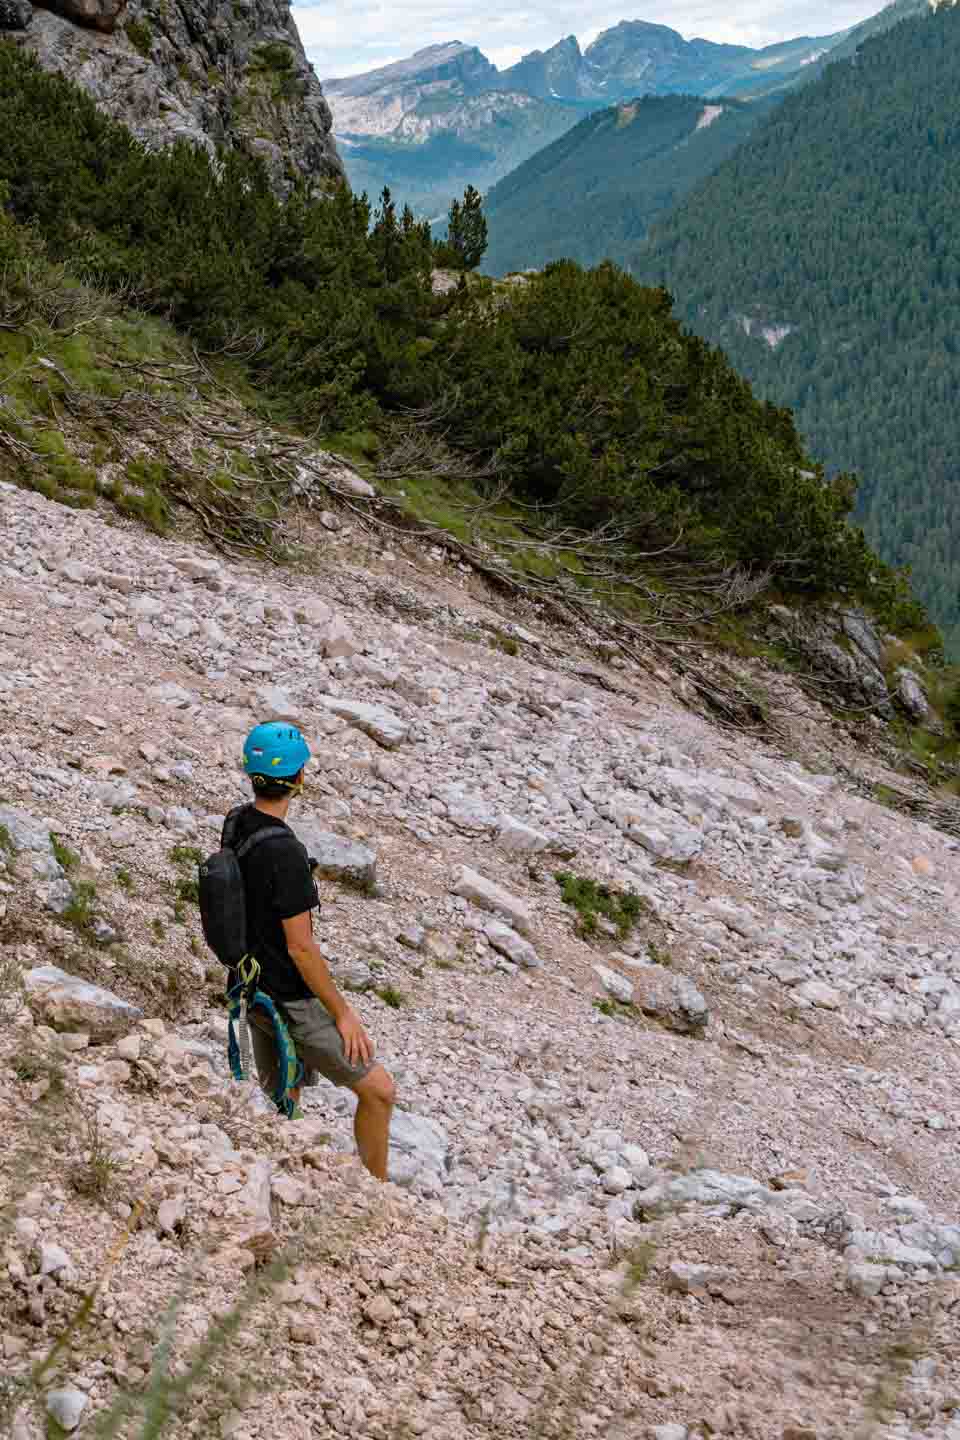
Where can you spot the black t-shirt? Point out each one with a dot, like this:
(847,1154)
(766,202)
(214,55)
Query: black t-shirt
(279,885)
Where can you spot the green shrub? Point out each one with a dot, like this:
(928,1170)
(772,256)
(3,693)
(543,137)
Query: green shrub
(273,55)
(140,35)
(592,900)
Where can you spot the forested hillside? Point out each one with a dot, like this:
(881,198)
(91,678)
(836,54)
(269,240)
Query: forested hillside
(578,392)
(593,194)
(825,257)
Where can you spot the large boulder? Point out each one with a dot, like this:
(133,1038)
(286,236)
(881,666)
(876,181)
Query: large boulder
(505,940)
(913,698)
(671,999)
(338,859)
(487,895)
(381,724)
(65,1002)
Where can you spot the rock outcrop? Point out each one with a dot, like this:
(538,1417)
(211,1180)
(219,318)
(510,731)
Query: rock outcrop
(218,75)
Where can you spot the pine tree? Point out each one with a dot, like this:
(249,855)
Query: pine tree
(467,229)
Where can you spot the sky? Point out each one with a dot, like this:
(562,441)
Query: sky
(346,39)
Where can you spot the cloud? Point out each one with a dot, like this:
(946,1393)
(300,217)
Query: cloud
(346,40)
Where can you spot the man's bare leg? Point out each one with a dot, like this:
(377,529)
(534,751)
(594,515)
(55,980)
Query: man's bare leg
(375,1094)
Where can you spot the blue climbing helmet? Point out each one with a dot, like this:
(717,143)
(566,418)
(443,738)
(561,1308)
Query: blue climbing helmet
(275,750)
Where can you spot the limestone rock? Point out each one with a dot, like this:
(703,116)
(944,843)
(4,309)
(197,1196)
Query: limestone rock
(419,1151)
(725,1194)
(615,984)
(862,633)
(250,1218)
(171,1214)
(847,650)
(487,895)
(381,724)
(520,839)
(865,1279)
(54,1260)
(65,1002)
(337,859)
(913,698)
(817,992)
(66,1407)
(507,942)
(670,998)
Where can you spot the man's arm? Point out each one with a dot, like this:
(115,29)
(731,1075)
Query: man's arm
(308,958)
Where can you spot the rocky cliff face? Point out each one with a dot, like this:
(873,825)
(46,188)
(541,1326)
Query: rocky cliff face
(228,74)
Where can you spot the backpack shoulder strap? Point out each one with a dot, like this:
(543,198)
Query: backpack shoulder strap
(252,841)
(230,827)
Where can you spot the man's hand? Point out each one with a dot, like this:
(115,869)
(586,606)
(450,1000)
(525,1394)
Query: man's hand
(356,1041)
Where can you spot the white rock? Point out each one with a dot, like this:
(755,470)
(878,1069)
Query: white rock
(419,1151)
(337,859)
(615,984)
(66,1406)
(865,1279)
(507,942)
(171,1214)
(616,1180)
(313,611)
(54,1259)
(196,567)
(520,839)
(671,998)
(487,895)
(817,992)
(66,1002)
(379,723)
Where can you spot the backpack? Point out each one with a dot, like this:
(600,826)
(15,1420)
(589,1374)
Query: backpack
(223,901)
(223,914)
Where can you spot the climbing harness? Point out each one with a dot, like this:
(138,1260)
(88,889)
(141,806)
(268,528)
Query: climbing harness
(244,998)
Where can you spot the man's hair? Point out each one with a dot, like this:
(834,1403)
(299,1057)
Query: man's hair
(271,787)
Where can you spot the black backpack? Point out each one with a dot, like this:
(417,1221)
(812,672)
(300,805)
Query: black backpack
(223,901)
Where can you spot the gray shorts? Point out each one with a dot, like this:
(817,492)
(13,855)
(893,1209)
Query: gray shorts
(318,1043)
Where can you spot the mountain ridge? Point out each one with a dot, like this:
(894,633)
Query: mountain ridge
(593,194)
(383,116)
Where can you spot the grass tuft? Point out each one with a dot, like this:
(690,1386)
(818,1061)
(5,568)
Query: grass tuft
(391,996)
(68,859)
(80,912)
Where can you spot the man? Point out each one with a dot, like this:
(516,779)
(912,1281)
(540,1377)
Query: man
(280,898)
